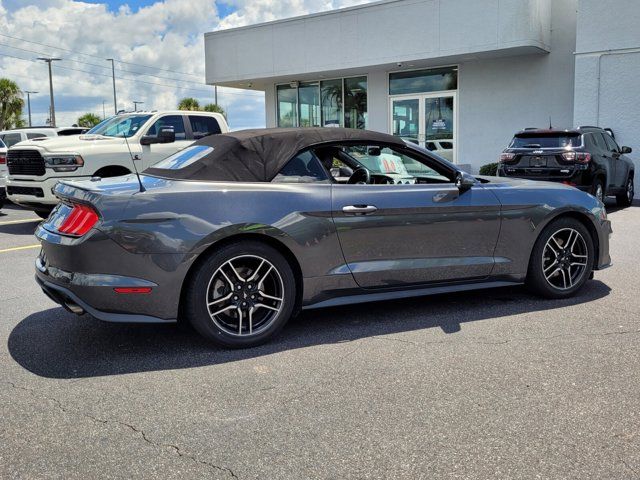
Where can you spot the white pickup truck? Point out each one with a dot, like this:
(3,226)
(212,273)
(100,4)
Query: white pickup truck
(107,150)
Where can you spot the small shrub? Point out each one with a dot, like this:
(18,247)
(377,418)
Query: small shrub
(490,169)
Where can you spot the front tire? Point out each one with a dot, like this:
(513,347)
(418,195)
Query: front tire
(562,259)
(242,295)
(597,189)
(626,199)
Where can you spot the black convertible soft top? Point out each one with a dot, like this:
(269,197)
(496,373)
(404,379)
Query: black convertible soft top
(258,155)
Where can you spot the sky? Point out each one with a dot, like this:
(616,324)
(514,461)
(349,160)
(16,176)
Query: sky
(158,48)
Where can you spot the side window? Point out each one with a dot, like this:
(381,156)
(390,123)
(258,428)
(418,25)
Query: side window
(35,135)
(398,164)
(174,121)
(202,126)
(303,168)
(600,142)
(10,139)
(612,146)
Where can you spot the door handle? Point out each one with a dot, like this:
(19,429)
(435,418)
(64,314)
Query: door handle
(362,209)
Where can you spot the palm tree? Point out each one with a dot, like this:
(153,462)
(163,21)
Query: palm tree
(214,107)
(11,104)
(88,120)
(189,103)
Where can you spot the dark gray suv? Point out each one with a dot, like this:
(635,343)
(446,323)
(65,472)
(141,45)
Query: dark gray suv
(587,158)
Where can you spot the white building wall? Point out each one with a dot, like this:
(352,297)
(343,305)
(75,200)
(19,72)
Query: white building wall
(500,96)
(607,89)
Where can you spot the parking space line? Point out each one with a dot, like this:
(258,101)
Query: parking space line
(13,222)
(13,249)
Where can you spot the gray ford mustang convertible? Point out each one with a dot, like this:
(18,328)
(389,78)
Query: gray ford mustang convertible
(240,231)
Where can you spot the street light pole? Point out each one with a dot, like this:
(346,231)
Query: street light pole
(48,60)
(113,78)
(135,105)
(28,92)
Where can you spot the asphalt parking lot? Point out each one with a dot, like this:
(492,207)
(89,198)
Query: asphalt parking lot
(495,384)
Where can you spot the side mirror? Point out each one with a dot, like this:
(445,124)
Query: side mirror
(464,181)
(625,150)
(166,135)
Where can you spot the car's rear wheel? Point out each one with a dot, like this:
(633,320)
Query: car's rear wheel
(626,199)
(597,189)
(242,295)
(562,259)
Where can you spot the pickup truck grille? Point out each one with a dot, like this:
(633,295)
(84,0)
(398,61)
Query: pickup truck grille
(25,162)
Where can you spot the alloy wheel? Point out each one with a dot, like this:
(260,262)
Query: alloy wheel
(630,191)
(245,295)
(564,259)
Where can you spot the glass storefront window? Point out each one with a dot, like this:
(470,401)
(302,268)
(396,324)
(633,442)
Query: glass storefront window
(423,81)
(331,97)
(330,103)
(287,106)
(309,97)
(355,102)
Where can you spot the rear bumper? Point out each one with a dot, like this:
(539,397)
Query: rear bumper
(86,271)
(77,285)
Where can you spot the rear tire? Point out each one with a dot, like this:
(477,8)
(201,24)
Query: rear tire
(562,259)
(597,189)
(241,295)
(626,199)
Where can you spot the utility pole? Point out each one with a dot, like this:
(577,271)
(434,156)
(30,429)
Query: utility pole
(215,94)
(104,114)
(113,78)
(48,61)
(28,92)
(135,105)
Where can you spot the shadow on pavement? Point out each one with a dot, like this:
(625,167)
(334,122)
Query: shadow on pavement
(56,344)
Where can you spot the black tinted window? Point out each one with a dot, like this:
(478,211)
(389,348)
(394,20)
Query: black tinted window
(174,121)
(612,146)
(10,139)
(599,140)
(35,135)
(303,168)
(203,126)
(552,140)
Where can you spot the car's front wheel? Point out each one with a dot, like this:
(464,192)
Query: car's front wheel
(562,259)
(626,199)
(241,295)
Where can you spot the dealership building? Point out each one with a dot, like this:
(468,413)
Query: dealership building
(456,76)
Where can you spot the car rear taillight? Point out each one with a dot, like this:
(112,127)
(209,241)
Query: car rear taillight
(506,157)
(81,219)
(3,160)
(577,157)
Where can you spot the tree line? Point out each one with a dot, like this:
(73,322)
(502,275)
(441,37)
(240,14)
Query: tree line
(12,104)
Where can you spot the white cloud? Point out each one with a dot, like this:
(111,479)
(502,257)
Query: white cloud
(167,35)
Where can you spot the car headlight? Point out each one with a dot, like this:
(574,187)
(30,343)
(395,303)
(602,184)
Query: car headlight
(64,162)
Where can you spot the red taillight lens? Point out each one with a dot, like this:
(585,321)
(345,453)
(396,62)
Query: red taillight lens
(577,157)
(137,290)
(3,160)
(506,157)
(81,219)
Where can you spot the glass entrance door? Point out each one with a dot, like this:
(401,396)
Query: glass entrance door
(428,120)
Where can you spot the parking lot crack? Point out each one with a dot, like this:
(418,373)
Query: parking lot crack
(175,448)
(629,467)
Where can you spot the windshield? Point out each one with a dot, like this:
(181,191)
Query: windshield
(552,140)
(120,126)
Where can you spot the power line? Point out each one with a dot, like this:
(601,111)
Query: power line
(179,87)
(96,56)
